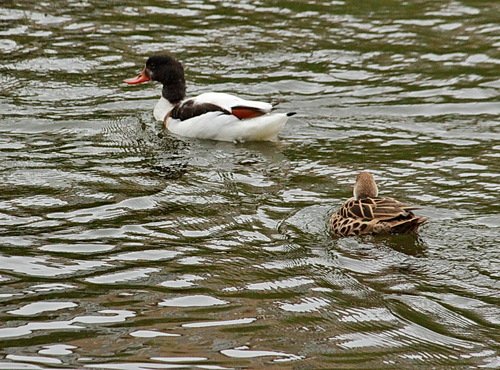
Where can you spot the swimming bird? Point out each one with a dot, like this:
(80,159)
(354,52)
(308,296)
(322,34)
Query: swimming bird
(366,213)
(212,115)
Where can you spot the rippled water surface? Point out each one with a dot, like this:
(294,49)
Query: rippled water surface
(125,247)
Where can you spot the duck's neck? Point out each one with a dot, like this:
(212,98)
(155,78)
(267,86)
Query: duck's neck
(171,95)
(174,92)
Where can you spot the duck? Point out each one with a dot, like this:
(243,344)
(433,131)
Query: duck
(367,213)
(211,115)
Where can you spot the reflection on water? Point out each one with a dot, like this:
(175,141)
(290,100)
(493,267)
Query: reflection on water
(125,247)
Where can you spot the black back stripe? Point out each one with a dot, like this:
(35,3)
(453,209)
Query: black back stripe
(188,109)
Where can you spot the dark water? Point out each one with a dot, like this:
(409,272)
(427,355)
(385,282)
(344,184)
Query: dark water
(126,248)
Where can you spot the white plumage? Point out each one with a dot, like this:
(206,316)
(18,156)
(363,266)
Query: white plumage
(221,126)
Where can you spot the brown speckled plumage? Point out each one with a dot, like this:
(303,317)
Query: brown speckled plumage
(373,215)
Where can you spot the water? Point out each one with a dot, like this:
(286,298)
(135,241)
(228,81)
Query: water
(127,248)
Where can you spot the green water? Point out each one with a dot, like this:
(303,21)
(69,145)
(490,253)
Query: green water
(125,247)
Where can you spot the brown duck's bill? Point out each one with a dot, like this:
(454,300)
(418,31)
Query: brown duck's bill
(139,79)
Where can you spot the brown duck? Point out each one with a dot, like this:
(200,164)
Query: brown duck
(366,213)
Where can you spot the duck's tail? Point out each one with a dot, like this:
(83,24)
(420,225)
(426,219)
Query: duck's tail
(408,226)
(276,102)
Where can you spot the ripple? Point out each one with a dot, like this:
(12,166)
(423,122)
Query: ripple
(50,287)
(70,65)
(209,324)
(39,201)
(11,366)
(307,305)
(41,267)
(81,248)
(57,350)
(151,334)
(454,9)
(289,283)
(27,329)
(36,359)
(192,301)
(8,46)
(179,359)
(110,316)
(124,276)
(392,338)
(146,255)
(107,211)
(175,12)
(183,282)
(39,307)
(149,365)
(245,352)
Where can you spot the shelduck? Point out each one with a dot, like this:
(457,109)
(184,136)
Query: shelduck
(212,115)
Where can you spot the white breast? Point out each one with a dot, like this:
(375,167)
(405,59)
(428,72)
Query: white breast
(162,108)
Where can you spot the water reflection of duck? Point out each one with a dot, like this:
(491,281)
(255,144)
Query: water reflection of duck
(366,213)
(217,116)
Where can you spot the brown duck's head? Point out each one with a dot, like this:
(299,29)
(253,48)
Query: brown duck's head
(365,186)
